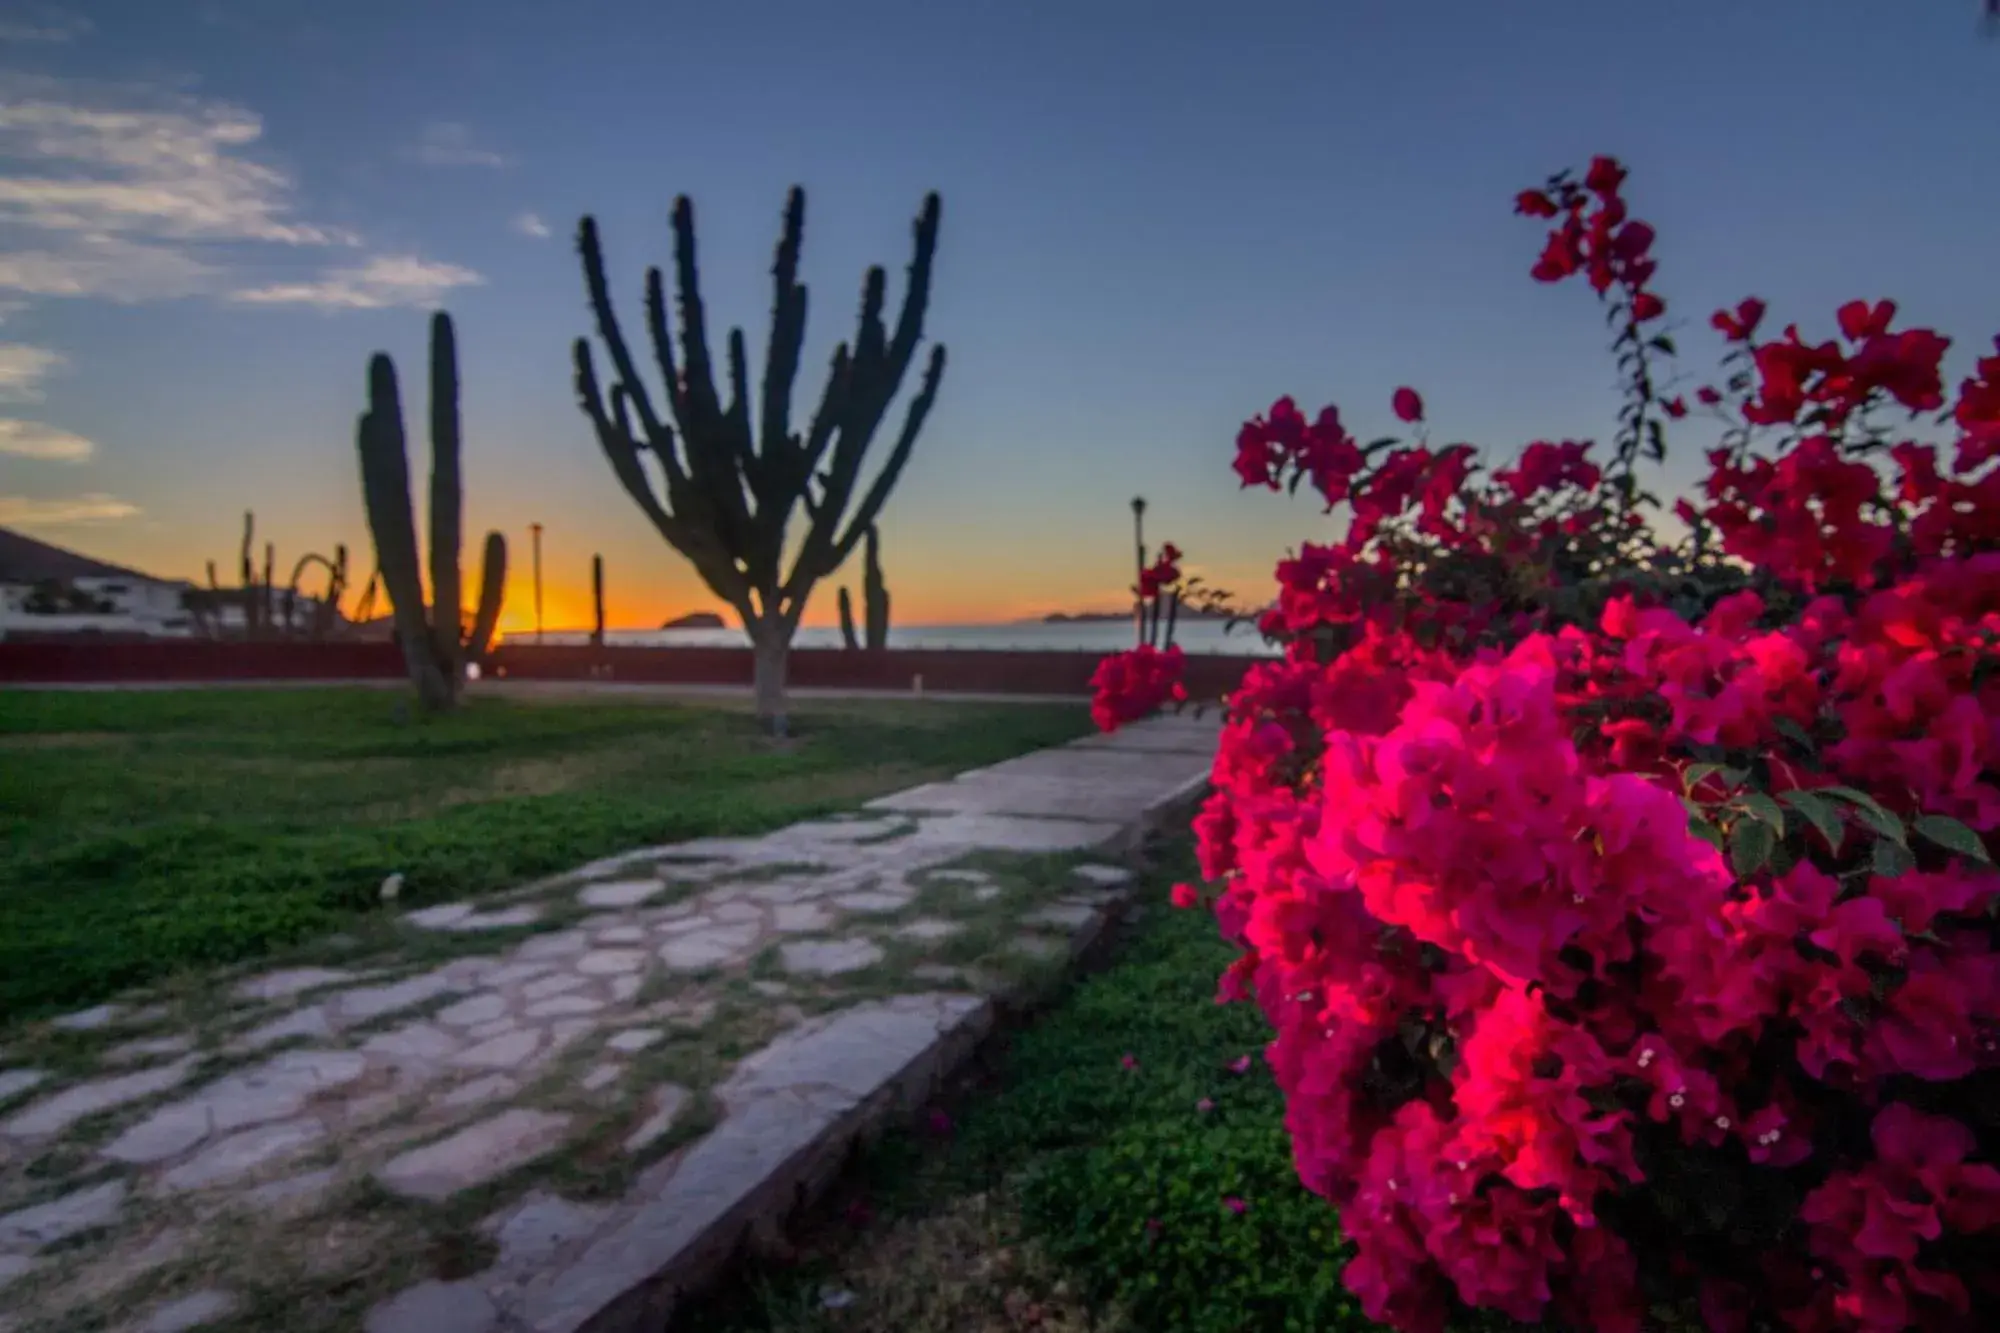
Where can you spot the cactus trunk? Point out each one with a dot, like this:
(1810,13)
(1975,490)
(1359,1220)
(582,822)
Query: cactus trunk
(847,621)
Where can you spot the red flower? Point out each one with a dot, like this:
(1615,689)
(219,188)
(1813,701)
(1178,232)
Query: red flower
(1184,896)
(1408,406)
(1534,204)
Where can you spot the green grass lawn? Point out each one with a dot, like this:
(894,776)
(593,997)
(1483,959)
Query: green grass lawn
(146,833)
(1076,1191)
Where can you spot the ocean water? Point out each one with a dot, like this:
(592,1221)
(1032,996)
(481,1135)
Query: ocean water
(1097,636)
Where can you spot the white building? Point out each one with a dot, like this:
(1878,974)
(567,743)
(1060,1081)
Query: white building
(45,589)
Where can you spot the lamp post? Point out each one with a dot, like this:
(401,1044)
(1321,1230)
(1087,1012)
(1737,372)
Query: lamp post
(535,531)
(1139,577)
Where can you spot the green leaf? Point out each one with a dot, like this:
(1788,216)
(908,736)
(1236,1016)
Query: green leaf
(1707,832)
(1953,836)
(1817,813)
(1797,734)
(1762,807)
(1750,845)
(1893,859)
(1871,811)
(1693,775)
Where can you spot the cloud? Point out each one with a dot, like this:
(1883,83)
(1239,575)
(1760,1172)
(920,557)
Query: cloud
(387,280)
(22,369)
(129,192)
(21,511)
(48,25)
(447,143)
(50,444)
(529,224)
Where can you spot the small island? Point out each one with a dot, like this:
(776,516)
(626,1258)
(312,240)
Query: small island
(1105,617)
(696,620)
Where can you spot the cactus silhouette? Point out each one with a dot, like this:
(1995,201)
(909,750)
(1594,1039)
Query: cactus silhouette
(731,485)
(436,641)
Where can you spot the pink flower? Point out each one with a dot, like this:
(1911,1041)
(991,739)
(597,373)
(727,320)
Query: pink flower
(1235,1205)
(1129,1061)
(1408,406)
(1184,895)
(1204,1106)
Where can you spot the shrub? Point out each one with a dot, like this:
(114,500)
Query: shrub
(1624,912)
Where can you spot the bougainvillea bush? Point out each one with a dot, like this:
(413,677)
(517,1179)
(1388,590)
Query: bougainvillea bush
(1624,911)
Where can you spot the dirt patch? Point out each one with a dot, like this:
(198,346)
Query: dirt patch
(963,1269)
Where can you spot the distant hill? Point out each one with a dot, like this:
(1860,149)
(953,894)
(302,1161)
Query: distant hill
(697,620)
(25,560)
(1105,617)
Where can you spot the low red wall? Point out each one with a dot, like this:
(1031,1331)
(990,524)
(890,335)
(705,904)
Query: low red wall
(84,661)
(944,671)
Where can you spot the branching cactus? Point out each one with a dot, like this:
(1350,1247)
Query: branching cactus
(437,643)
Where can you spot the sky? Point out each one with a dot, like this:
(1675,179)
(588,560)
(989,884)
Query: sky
(1158,217)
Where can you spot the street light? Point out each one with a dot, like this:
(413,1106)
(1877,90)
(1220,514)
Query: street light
(1139,548)
(535,530)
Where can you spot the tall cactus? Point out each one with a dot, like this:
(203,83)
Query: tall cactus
(597,600)
(731,483)
(435,638)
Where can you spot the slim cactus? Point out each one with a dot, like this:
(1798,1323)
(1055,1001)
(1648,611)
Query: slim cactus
(731,483)
(597,600)
(435,639)
(874,599)
(875,594)
(847,622)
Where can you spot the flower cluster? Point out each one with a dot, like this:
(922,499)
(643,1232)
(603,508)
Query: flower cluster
(1135,684)
(1632,950)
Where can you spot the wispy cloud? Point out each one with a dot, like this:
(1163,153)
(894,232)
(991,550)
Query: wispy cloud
(37,440)
(387,280)
(21,511)
(48,25)
(22,370)
(531,225)
(449,143)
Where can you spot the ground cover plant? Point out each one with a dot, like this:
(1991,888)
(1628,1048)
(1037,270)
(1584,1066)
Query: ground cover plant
(143,832)
(1623,910)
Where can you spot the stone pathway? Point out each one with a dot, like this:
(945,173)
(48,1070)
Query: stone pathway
(557,1108)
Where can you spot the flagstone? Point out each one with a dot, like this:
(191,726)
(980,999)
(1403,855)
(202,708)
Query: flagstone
(474,1155)
(829,957)
(241,1154)
(621,893)
(510,1050)
(27,1230)
(293,981)
(56,1113)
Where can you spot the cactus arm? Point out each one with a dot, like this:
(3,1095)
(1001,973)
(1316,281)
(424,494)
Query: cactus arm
(847,621)
(492,591)
(875,372)
(447,500)
(892,471)
(614,339)
(783,453)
